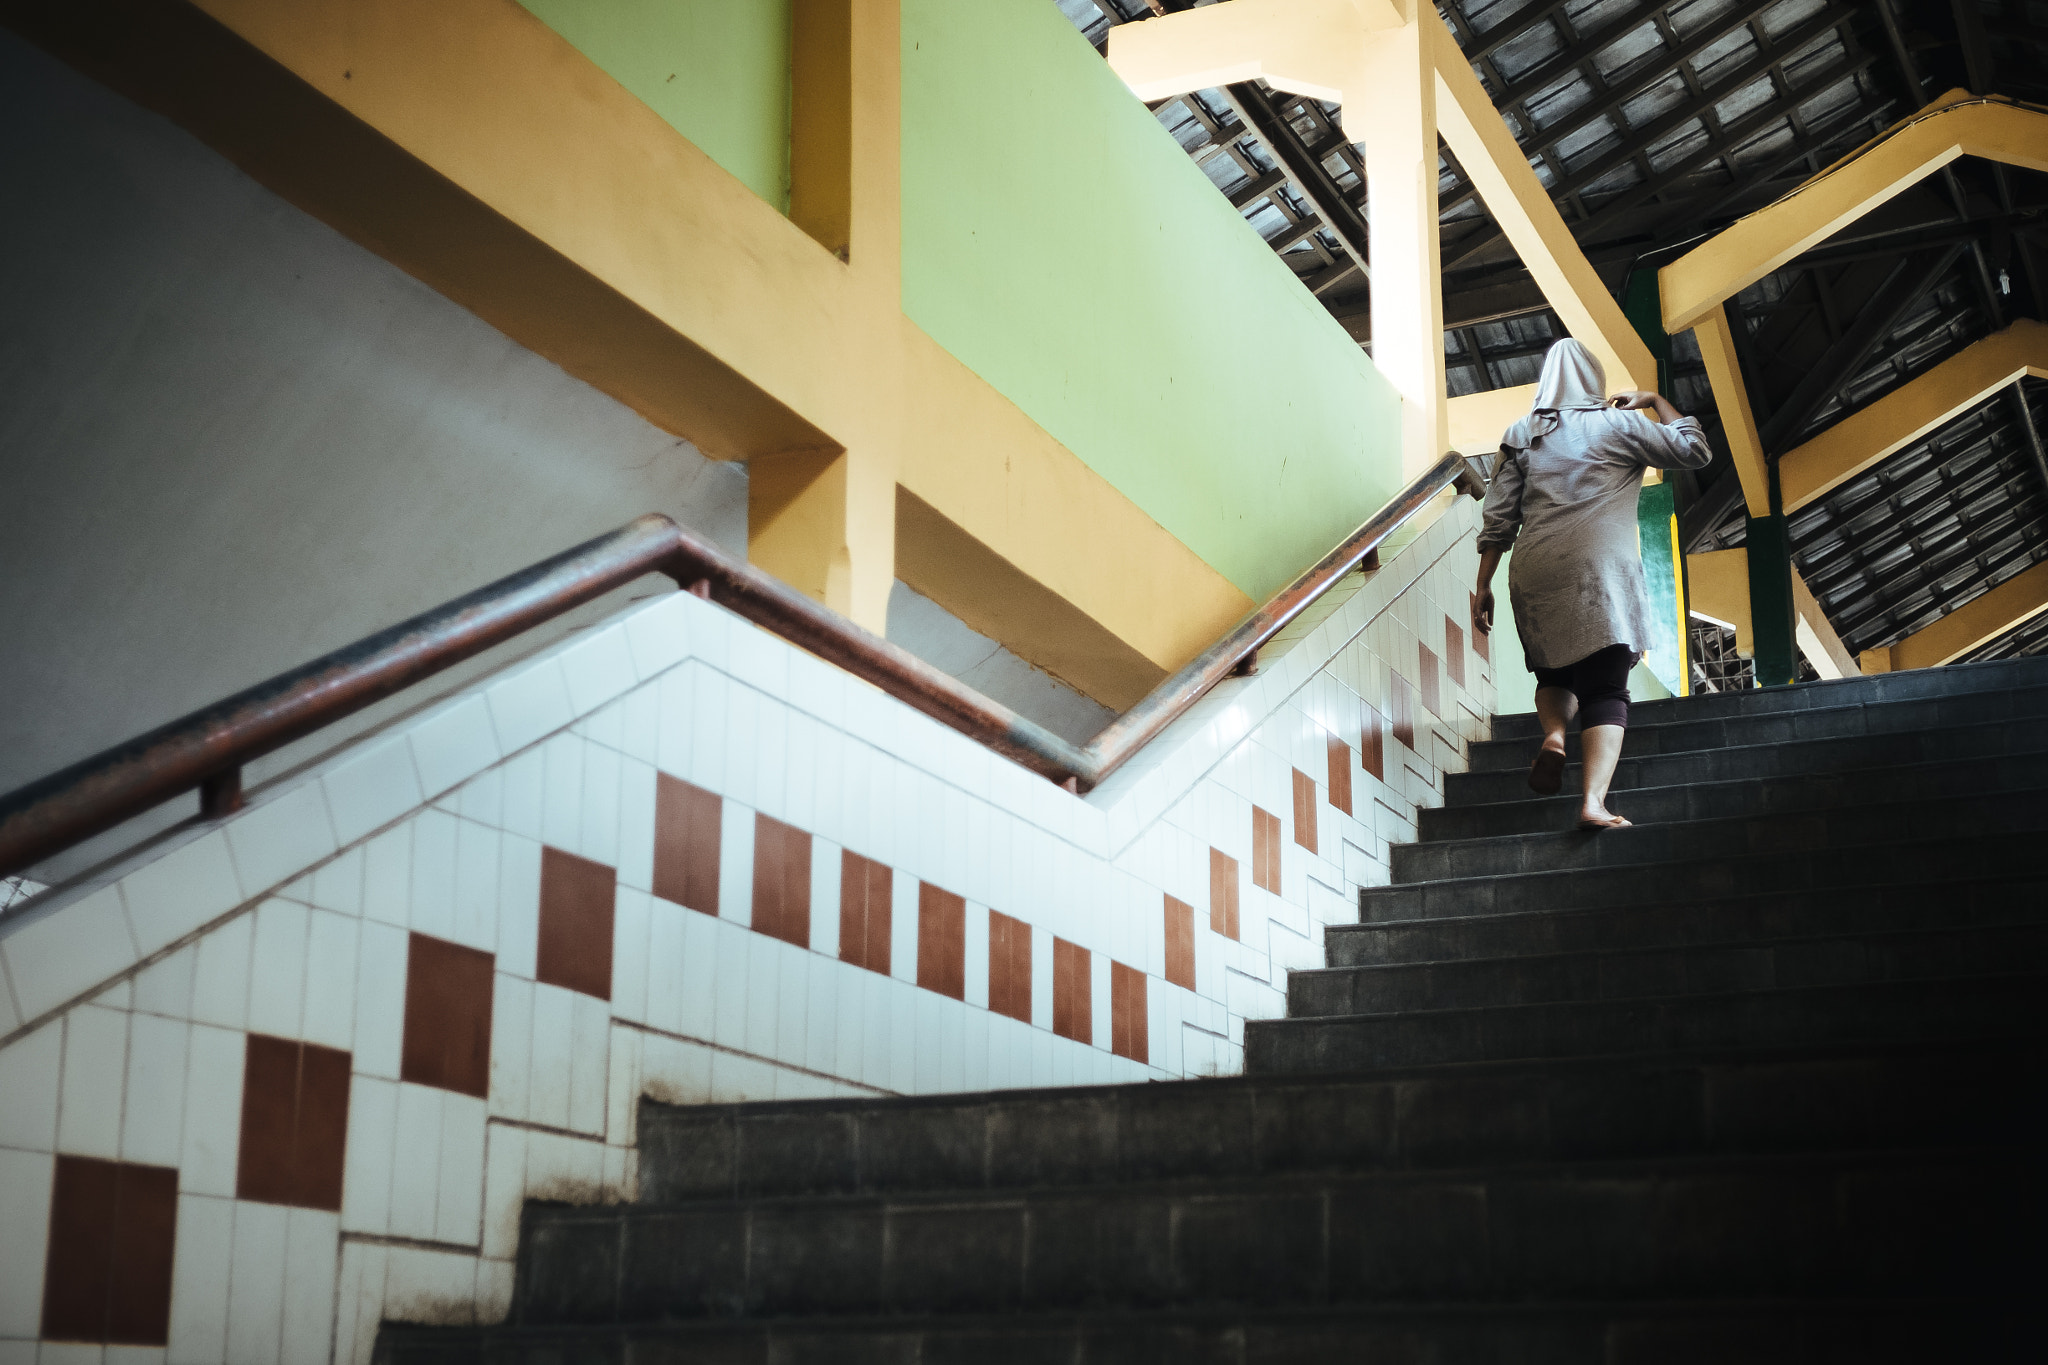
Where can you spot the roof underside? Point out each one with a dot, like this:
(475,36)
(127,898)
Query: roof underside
(1656,124)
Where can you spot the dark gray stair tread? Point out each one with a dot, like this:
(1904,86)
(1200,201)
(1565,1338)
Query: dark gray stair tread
(1760,762)
(1954,860)
(1896,907)
(1634,973)
(1517,1112)
(1911,1331)
(1800,793)
(1984,1007)
(1940,1222)
(1901,820)
(1956,679)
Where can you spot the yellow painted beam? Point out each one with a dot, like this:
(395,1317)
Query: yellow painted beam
(1523,209)
(1478,419)
(1718,586)
(1908,413)
(1956,125)
(471,146)
(1818,641)
(1731,396)
(1975,623)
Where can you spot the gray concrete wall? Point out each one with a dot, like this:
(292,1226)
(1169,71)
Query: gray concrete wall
(232,440)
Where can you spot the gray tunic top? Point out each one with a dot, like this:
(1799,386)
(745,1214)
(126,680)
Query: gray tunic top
(1576,579)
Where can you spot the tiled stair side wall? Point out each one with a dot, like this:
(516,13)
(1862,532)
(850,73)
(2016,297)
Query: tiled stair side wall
(334,1090)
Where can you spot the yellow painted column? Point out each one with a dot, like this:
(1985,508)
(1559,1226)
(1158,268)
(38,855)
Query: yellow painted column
(1390,105)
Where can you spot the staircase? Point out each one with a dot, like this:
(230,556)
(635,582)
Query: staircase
(1757,1080)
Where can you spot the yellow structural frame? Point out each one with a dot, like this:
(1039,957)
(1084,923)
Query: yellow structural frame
(1811,471)
(1977,622)
(1956,125)
(1400,80)
(473,147)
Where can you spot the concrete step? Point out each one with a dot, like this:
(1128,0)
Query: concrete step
(1784,727)
(1628,974)
(1795,794)
(1267,1125)
(1897,907)
(1881,1012)
(1958,860)
(1757,762)
(1773,1331)
(1834,1224)
(1904,819)
(1954,680)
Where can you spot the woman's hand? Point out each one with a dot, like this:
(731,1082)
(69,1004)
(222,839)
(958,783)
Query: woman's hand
(1482,611)
(1640,400)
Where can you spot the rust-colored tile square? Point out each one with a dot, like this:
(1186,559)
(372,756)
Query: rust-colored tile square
(1401,703)
(1127,1013)
(576,897)
(1222,893)
(1340,774)
(687,823)
(1265,850)
(1372,743)
(1432,689)
(1009,966)
(941,941)
(447,1017)
(782,881)
(1304,810)
(864,889)
(294,1124)
(1479,641)
(1454,650)
(107,1263)
(1073,992)
(1180,942)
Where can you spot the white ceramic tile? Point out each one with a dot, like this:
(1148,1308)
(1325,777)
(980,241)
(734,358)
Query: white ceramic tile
(331,963)
(366,1177)
(458,1214)
(657,636)
(674,1071)
(280,838)
(731,980)
(372,787)
(26,1179)
(153,1107)
(553,1013)
(903,926)
(597,668)
(387,876)
(256,1282)
(636,825)
(70,1353)
(62,954)
(736,864)
(312,1243)
(200,1267)
(598,832)
(165,986)
(277,971)
(567,1169)
(1041,978)
(416,1162)
(590,1049)
(518,908)
(528,703)
(631,937)
(453,744)
(432,892)
(504,1188)
(708,722)
(29,1072)
(380,999)
(764,994)
(793,1003)
(359,1305)
(213,1110)
(525,793)
(495,1281)
(473,916)
(695,967)
(511,1046)
(561,821)
(89,1095)
(977,955)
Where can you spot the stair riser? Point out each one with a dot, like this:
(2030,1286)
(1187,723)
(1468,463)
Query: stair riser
(1853,910)
(1725,800)
(1713,969)
(1814,1333)
(1757,762)
(1240,1128)
(1915,685)
(1891,1012)
(2011,813)
(1958,861)
(1792,727)
(1787,1227)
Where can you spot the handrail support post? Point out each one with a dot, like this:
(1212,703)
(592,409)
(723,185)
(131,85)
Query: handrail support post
(221,794)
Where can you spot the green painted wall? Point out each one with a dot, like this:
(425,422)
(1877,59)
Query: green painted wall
(716,70)
(1061,244)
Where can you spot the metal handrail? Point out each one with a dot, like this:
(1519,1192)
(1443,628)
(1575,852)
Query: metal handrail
(207,749)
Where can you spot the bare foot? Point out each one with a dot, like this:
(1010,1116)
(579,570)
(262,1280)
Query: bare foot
(1546,774)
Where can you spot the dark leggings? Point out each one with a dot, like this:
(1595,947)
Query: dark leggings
(1599,681)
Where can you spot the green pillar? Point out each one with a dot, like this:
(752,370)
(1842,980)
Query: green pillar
(1771,612)
(1644,309)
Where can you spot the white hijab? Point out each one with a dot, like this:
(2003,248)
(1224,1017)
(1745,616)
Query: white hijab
(1572,379)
